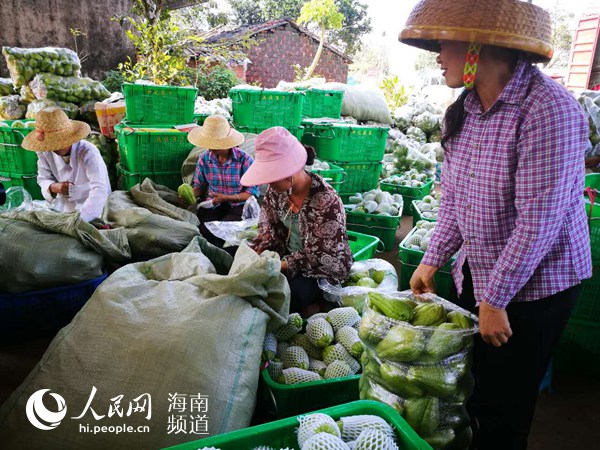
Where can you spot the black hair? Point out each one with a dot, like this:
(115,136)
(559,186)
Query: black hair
(310,155)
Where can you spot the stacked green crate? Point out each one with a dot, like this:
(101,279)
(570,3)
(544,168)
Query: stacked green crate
(323,103)
(149,145)
(408,193)
(255,110)
(18,167)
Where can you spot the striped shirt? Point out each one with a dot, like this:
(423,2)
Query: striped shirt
(513,181)
(219,178)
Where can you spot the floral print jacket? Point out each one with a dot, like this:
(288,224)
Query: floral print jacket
(326,253)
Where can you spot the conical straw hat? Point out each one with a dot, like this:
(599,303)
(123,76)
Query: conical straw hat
(54,131)
(215,134)
(503,23)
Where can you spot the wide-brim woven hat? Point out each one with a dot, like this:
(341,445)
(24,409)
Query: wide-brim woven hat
(215,134)
(277,155)
(503,23)
(54,131)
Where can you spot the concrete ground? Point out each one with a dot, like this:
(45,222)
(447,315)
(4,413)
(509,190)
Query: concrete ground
(567,418)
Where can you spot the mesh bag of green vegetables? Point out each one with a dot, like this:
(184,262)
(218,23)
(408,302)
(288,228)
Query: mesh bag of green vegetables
(417,359)
(364,277)
(6,86)
(11,108)
(24,63)
(67,89)
(70,109)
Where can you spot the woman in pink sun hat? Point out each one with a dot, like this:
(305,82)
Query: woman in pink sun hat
(302,217)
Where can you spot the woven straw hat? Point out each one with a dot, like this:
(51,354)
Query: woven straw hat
(503,23)
(54,131)
(215,134)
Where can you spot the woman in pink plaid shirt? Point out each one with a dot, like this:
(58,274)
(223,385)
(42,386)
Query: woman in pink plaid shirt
(512,179)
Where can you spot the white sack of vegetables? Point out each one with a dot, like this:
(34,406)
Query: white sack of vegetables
(67,89)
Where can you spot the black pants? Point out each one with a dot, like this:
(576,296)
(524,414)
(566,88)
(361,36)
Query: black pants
(507,378)
(223,213)
(305,291)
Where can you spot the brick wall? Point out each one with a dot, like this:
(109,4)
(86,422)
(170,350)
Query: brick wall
(277,50)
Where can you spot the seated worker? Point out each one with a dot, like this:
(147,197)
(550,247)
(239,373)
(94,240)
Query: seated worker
(71,172)
(301,218)
(218,173)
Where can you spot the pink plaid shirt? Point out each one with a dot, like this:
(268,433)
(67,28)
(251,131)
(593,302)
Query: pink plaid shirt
(513,181)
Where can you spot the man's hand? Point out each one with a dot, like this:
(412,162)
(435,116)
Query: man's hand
(493,325)
(60,188)
(422,279)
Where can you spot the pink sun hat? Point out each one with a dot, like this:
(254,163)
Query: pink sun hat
(277,155)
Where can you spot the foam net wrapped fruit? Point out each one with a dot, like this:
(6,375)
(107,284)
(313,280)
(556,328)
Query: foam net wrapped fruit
(24,63)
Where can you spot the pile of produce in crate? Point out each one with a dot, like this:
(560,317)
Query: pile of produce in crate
(417,359)
(410,178)
(420,238)
(376,201)
(429,206)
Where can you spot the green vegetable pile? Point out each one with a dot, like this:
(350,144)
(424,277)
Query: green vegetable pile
(417,359)
(25,63)
(67,89)
(6,87)
(410,178)
(329,348)
(429,206)
(377,201)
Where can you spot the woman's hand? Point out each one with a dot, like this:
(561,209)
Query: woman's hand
(219,198)
(422,279)
(493,325)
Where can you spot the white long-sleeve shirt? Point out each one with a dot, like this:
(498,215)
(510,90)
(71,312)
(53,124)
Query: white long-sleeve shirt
(86,170)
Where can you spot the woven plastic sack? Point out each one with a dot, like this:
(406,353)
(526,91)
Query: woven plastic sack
(6,87)
(67,89)
(161,328)
(362,104)
(11,108)
(24,63)
(70,109)
(355,295)
(423,371)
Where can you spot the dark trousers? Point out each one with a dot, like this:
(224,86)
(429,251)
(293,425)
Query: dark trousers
(224,212)
(305,292)
(507,378)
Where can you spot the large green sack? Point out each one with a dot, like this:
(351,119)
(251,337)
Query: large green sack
(162,327)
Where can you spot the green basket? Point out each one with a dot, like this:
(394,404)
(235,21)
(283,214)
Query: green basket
(408,193)
(13,157)
(383,227)
(200,118)
(298,131)
(147,104)
(129,179)
(334,176)
(349,143)
(263,109)
(285,400)
(578,351)
(152,151)
(417,214)
(28,181)
(414,257)
(323,103)
(282,433)
(362,245)
(360,176)
(588,304)
(444,283)
(592,180)
(310,123)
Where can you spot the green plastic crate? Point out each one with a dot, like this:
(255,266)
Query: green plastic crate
(285,400)
(417,214)
(13,157)
(162,150)
(363,246)
(593,180)
(408,193)
(349,143)
(129,179)
(414,257)
(282,433)
(147,104)
(296,131)
(200,118)
(310,123)
(28,181)
(382,227)
(588,304)
(444,283)
(578,351)
(334,176)
(263,109)
(323,103)
(360,176)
